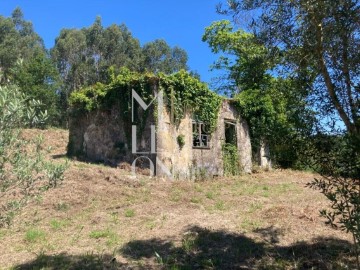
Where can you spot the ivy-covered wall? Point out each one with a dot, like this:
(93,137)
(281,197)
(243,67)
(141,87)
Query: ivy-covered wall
(183,92)
(101,123)
(212,160)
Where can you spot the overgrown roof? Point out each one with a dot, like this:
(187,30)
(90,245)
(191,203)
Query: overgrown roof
(183,90)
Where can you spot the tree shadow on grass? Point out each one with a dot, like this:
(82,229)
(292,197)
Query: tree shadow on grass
(59,156)
(201,248)
(205,249)
(66,261)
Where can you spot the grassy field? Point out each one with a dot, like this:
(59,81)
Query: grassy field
(103,218)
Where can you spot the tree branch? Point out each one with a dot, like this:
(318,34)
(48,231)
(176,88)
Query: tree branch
(327,78)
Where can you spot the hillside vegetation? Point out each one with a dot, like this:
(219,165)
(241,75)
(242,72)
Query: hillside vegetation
(103,218)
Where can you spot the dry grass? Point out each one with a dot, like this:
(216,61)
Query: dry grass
(102,218)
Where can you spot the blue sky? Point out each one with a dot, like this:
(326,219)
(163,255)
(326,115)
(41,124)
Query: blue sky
(180,23)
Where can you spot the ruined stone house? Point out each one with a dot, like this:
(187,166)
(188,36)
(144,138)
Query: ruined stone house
(182,149)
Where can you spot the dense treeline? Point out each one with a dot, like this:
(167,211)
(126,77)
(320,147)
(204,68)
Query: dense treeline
(79,58)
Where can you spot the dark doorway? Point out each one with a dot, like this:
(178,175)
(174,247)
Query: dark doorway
(230,132)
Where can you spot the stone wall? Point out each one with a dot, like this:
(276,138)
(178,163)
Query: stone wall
(177,160)
(184,162)
(103,136)
(211,159)
(264,159)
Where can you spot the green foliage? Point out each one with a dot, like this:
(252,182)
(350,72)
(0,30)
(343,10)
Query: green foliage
(278,116)
(24,173)
(210,195)
(320,48)
(258,107)
(17,40)
(183,92)
(129,213)
(58,224)
(230,159)
(189,94)
(88,96)
(337,158)
(84,56)
(319,52)
(80,58)
(275,108)
(189,243)
(26,63)
(158,56)
(181,140)
(38,78)
(97,234)
(244,58)
(334,155)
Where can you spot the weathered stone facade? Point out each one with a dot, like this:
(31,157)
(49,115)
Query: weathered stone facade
(102,136)
(187,159)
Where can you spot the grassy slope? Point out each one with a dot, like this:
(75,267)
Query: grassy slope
(102,218)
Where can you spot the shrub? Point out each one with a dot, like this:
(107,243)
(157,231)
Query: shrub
(24,173)
(337,159)
(181,140)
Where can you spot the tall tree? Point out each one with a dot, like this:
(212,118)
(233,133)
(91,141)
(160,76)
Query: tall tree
(18,40)
(121,48)
(39,79)
(160,57)
(320,41)
(25,61)
(69,56)
(83,56)
(245,60)
(276,111)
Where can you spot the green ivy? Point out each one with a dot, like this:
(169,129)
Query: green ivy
(189,93)
(183,92)
(181,140)
(87,98)
(230,159)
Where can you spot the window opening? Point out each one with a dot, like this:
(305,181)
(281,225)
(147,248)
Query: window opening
(201,137)
(230,132)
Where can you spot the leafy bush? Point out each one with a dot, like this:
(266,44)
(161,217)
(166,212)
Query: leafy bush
(337,159)
(24,173)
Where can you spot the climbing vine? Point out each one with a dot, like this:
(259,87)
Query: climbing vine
(187,93)
(230,159)
(183,93)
